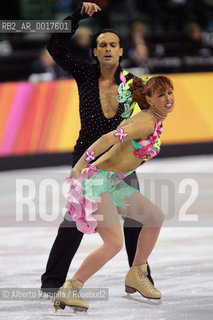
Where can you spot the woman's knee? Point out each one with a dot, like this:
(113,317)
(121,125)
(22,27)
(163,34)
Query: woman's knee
(157,218)
(115,245)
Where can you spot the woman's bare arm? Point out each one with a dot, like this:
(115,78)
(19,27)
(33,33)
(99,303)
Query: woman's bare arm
(139,128)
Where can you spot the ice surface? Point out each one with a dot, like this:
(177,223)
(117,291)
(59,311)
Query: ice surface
(181,263)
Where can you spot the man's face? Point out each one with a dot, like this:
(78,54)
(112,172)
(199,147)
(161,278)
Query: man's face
(108,49)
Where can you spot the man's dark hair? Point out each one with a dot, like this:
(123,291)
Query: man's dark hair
(96,35)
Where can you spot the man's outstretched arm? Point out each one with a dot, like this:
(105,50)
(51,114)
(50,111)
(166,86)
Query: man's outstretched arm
(57,45)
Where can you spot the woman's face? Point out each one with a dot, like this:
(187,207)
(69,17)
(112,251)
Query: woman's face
(162,101)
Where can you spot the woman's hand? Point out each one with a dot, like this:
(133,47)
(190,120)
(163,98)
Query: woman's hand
(89,8)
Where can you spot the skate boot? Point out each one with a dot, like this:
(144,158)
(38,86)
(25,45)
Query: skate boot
(68,295)
(137,280)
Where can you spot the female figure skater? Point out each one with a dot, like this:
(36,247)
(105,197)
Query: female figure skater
(97,189)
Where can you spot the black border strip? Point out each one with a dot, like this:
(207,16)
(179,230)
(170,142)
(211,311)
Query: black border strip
(58,159)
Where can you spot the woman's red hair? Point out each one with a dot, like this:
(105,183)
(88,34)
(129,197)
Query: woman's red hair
(140,89)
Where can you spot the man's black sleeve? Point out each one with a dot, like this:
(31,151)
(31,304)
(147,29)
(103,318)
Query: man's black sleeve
(62,54)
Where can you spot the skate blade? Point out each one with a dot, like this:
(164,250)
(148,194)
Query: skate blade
(143,300)
(62,313)
(73,311)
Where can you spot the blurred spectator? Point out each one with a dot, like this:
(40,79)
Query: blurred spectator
(194,43)
(81,43)
(138,58)
(138,32)
(136,51)
(5,48)
(137,35)
(45,69)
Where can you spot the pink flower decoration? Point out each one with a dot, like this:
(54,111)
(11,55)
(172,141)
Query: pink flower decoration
(147,151)
(144,143)
(141,153)
(121,134)
(90,155)
(157,132)
(152,153)
(122,78)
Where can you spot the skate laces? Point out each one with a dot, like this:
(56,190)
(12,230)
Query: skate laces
(76,284)
(144,279)
(70,290)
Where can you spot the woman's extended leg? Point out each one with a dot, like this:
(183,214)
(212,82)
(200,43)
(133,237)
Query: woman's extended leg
(109,228)
(144,211)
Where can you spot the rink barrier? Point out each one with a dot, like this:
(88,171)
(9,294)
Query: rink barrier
(65,158)
(39,122)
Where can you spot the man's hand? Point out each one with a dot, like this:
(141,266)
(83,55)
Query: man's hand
(89,8)
(74,173)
